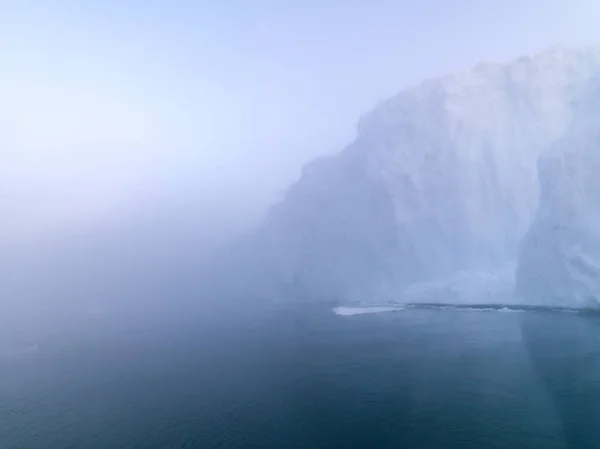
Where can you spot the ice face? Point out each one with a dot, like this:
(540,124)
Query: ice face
(441,179)
(559,262)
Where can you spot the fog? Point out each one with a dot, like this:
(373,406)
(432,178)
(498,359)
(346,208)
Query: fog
(137,139)
(237,224)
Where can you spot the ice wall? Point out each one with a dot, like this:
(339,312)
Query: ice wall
(559,262)
(441,179)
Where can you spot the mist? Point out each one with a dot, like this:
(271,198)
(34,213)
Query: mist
(299,224)
(116,235)
(137,143)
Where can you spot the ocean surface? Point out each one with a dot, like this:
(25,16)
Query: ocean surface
(296,376)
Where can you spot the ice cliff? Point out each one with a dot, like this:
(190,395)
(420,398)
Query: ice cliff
(559,262)
(441,181)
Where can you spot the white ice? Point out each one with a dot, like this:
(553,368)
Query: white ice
(560,257)
(346,311)
(441,182)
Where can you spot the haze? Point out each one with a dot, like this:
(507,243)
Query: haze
(221,103)
(187,119)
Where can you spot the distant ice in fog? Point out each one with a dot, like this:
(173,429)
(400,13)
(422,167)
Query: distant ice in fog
(560,256)
(350,311)
(347,311)
(432,199)
(474,287)
(441,306)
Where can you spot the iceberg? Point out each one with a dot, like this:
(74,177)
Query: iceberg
(349,311)
(559,262)
(440,183)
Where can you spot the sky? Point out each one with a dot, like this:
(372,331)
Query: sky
(219,104)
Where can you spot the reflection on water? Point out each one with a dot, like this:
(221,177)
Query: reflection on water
(566,357)
(297,377)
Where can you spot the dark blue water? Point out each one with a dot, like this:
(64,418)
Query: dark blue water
(302,377)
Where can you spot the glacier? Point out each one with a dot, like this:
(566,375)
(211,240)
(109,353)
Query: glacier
(559,263)
(437,190)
